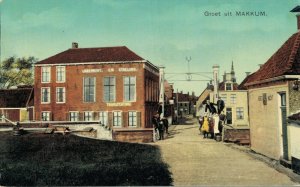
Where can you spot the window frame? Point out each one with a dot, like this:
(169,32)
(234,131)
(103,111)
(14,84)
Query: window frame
(49,95)
(129,86)
(94,94)
(89,119)
(75,112)
(134,117)
(63,75)
(49,73)
(233,98)
(239,111)
(109,86)
(46,112)
(64,95)
(105,117)
(113,118)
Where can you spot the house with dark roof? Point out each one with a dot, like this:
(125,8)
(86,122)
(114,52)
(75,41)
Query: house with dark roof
(109,85)
(17,104)
(273,95)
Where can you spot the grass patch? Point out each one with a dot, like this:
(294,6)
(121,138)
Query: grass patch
(56,160)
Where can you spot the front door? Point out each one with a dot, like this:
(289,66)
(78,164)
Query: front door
(284,124)
(229,116)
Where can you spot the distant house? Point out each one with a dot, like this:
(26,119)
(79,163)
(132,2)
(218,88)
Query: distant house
(186,103)
(273,95)
(17,104)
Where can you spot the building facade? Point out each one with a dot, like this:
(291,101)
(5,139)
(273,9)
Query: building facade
(272,97)
(112,86)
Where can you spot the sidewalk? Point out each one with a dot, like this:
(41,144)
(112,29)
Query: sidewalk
(197,161)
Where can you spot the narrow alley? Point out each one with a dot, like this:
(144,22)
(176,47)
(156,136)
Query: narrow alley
(197,161)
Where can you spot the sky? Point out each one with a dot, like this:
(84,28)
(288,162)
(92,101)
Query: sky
(165,32)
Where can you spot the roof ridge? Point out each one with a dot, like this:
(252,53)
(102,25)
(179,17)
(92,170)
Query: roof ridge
(294,51)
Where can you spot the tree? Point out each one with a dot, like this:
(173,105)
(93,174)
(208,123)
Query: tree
(16,71)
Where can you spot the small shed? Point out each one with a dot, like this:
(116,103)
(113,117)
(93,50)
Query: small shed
(17,104)
(294,130)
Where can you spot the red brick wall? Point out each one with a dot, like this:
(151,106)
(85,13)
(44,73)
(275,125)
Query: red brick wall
(144,136)
(74,90)
(11,114)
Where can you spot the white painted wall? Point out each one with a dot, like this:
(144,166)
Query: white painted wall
(294,131)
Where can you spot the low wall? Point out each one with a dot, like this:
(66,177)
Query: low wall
(236,134)
(133,135)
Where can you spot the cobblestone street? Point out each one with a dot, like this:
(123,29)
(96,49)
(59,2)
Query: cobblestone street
(197,161)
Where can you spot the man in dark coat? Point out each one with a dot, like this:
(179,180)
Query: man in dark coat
(210,106)
(220,105)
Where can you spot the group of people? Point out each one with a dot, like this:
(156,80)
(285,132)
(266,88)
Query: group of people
(211,123)
(161,125)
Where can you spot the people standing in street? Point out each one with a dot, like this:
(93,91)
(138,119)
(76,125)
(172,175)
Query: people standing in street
(220,105)
(161,129)
(205,126)
(215,125)
(211,127)
(166,124)
(210,107)
(200,120)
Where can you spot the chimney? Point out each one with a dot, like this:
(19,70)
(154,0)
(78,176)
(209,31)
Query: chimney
(247,73)
(297,10)
(298,21)
(260,65)
(74,45)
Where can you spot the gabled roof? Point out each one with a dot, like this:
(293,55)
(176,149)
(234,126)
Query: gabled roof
(101,54)
(222,86)
(286,61)
(16,98)
(242,85)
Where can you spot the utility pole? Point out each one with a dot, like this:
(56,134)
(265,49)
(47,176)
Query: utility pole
(216,82)
(162,89)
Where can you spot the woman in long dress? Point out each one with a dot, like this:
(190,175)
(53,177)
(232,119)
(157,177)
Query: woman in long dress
(205,127)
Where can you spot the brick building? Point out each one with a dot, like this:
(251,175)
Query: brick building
(111,85)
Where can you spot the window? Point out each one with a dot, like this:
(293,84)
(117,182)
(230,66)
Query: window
(117,118)
(103,117)
(60,73)
(239,113)
(224,98)
(283,99)
(88,116)
(233,98)
(46,74)
(45,116)
(228,86)
(129,88)
(60,95)
(89,89)
(109,89)
(132,120)
(74,116)
(45,95)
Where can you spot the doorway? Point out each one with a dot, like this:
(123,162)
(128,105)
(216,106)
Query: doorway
(283,125)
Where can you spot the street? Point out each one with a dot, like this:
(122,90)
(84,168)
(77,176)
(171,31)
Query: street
(197,161)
